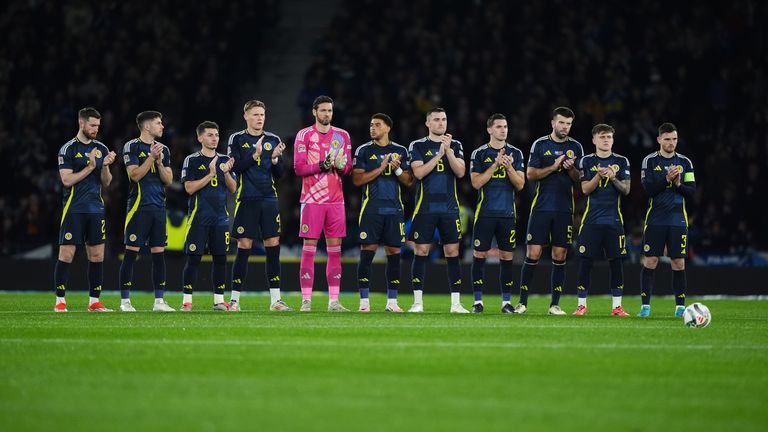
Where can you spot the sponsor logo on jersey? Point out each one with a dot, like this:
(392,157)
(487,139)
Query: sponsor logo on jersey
(78,155)
(373,157)
(488,160)
(201,167)
(429,153)
(658,168)
(142,154)
(547,153)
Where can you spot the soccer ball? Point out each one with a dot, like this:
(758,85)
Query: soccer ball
(696,315)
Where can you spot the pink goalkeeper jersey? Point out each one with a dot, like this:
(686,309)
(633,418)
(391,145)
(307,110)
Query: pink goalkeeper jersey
(309,149)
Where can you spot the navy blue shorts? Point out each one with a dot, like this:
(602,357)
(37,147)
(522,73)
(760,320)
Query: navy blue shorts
(213,237)
(256,220)
(598,241)
(549,227)
(423,228)
(382,229)
(146,228)
(674,238)
(79,228)
(502,228)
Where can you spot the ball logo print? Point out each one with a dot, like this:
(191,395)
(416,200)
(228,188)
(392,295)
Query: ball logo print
(696,315)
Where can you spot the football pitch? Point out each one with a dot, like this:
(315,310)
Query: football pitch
(256,370)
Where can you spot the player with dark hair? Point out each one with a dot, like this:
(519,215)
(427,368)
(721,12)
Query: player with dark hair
(84,171)
(207,178)
(669,180)
(322,156)
(552,165)
(437,205)
(149,172)
(380,166)
(604,179)
(497,172)
(258,162)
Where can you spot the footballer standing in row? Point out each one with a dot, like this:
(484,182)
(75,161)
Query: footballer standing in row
(258,161)
(84,169)
(497,172)
(668,179)
(207,177)
(552,165)
(149,172)
(604,179)
(322,156)
(380,166)
(437,161)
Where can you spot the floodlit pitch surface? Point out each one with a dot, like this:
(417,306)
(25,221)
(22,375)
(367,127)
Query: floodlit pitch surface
(256,370)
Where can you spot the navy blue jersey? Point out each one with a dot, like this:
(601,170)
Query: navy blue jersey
(256,178)
(666,205)
(497,197)
(207,206)
(149,192)
(85,195)
(382,195)
(437,191)
(604,203)
(555,191)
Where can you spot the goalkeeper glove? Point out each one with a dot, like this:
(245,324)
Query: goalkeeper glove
(327,164)
(341,161)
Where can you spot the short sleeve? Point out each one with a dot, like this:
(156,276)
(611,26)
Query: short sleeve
(361,156)
(405,163)
(458,149)
(129,156)
(623,173)
(415,153)
(518,164)
(65,157)
(585,169)
(187,174)
(534,159)
(166,156)
(476,163)
(688,175)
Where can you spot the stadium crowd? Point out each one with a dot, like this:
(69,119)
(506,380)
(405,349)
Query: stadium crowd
(699,65)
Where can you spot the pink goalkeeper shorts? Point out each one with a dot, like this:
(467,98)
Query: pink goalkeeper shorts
(319,218)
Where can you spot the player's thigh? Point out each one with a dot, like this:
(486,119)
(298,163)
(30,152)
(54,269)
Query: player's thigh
(505,232)
(197,238)
(72,229)
(562,229)
(218,239)
(335,221)
(269,220)
(449,228)
(247,220)
(423,228)
(590,242)
(539,228)
(654,240)
(138,228)
(95,229)
(677,242)
(371,228)
(312,221)
(482,233)
(158,233)
(614,241)
(393,230)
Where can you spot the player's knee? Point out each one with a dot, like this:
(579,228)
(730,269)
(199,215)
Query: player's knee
(650,262)
(96,253)
(156,249)
(678,264)
(132,248)
(506,255)
(391,250)
(533,253)
(66,253)
(246,243)
(451,250)
(270,242)
(421,249)
(559,254)
(479,254)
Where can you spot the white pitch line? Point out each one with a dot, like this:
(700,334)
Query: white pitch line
(400,344)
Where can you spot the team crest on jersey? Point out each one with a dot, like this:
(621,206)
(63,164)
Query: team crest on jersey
(132,237)
(477,243)
(582,249)
(335,144)
(222,166)
(363,235)
(615,168)
(267,146)
(304,228)
(192,247)
(570,154)
(240,230)
(68,236)
(646,248)
(98,153)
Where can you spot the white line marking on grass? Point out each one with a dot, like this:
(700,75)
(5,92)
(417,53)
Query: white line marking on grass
(384,344)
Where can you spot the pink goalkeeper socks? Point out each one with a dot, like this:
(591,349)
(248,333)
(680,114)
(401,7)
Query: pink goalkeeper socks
(307,271)
(333,271)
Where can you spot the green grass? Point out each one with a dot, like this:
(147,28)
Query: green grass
(435,371)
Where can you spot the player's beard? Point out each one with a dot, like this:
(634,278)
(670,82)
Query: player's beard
(561,135)
(324,121)
(90,135)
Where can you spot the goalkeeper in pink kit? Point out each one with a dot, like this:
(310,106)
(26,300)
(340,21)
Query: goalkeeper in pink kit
(322,155)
